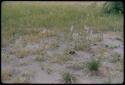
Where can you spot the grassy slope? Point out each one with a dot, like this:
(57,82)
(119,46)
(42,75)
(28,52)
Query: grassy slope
(17,17)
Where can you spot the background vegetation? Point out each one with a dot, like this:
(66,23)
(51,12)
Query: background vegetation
(19,17)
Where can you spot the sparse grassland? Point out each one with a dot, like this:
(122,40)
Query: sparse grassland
(43,39)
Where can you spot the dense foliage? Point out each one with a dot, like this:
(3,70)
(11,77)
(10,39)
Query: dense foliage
(113,7)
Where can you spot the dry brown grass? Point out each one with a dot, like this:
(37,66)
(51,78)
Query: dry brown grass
(6,74)
(46,67)
(77,66)
(61,58)
(40,57)
(23,78)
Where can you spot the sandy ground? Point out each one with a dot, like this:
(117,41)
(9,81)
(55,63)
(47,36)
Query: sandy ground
(29,70)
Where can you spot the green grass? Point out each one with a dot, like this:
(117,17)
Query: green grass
(68,77)
(17,17)
(93,65)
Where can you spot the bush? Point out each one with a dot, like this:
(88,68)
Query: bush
(113,7)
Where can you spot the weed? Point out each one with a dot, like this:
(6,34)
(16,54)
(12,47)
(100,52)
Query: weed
(93,65)
(68,77)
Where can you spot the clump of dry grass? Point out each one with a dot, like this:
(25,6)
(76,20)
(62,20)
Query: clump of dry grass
(22,53)
(120,66)
(32,38)
(69,51)
(46,67)
(61,58)
(23,63)
(82,45)
(80,41)
(40,57)
(39,54)
(77,66)
(23,78)
(115,57)
(36,35)
(52,43)
(6,74)
(39,51)
(47,33)
(5,58)
(99,51)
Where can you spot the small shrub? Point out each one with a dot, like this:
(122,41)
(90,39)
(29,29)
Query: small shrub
(93,65)
(68,77)
(113,7)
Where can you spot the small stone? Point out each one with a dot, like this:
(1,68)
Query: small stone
(106,46)
(72,52)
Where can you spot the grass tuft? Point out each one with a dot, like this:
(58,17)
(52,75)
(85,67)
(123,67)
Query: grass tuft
(93,65)
(68,77)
